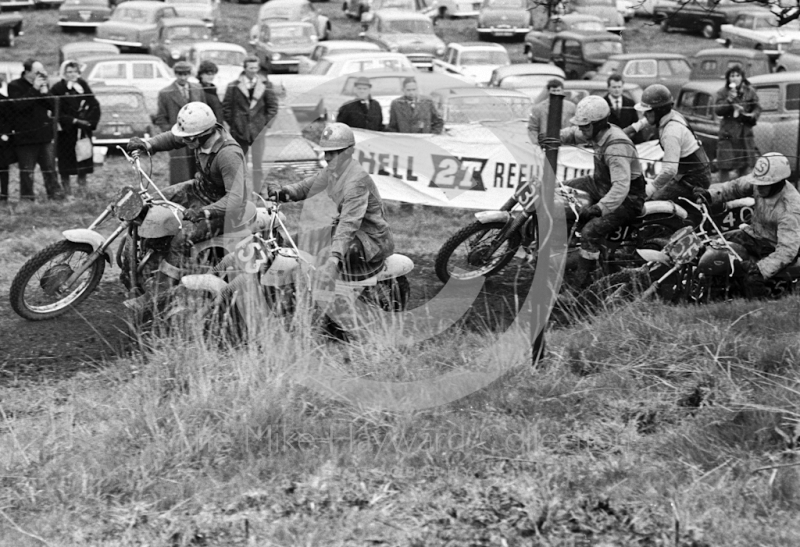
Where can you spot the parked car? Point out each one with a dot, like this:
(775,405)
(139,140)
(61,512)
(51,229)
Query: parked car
(17,4)
(472,61)
(703,16)
(464,105)
(278,44)
(206,10)
(604,9)
(10,28)
(332,47)
(759,29)
(148,73)
(333,66)
(580,54)
(83,14)
(525,78)
(408,33)
(712,64)
(456,9)
(539,43)
(503,18)
(575,90)
(123,115)
(175,36)
(776,130)
(133,24)
(296,11)
(626,8)
(228,57)
(671,69)
(365,8)
(75,51)
(286,150)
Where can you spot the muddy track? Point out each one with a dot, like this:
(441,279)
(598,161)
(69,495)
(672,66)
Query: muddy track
(96,333)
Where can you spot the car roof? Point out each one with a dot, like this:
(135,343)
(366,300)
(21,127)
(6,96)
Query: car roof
(575,17)
(423,78)
(476,45)
(590,36)
(143,4)
(708,86)
(636,56)
(182,21)
(125,57)
(777,78)
(472,91)
(280,24)
(595,84)
(335,44)
(400,14)
(225,46)
(529,68)
(729,52)
(333,56)
(757,13)
(100,89)
(88,46)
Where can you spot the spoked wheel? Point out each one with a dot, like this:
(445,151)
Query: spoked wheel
(467,255)
(38,290)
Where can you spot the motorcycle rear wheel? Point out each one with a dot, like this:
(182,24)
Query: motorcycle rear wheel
(46,268)
(475,235)
(391,295)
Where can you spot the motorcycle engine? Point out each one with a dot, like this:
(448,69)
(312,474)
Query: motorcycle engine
(715,262)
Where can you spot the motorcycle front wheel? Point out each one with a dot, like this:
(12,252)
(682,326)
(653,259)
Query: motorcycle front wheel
(466,255)
(36,292)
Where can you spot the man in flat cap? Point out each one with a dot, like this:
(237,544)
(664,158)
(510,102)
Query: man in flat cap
(170,101)
(363,112)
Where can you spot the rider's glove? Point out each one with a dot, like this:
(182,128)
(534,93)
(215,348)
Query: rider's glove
(193,215)
(589,213)
(753,271)
(549,143)
(135,145)
(701,195)
(278,194)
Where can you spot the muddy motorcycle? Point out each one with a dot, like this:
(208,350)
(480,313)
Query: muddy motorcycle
(268,269)
(65,273)
(486,246)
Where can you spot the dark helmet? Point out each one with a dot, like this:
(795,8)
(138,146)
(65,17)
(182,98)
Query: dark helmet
(654,96)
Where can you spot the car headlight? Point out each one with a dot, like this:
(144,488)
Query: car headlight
(393,47)
(175,54)
(440,50)
(276,56)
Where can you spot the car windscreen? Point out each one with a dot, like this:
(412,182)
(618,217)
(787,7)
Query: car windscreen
(124,13)
(479,57)
(526,80)
(380,86)
(223,57)
(407,26)
(119,101)
(486,108)
(601,50)
(193,33)
(589,26)
(291,34)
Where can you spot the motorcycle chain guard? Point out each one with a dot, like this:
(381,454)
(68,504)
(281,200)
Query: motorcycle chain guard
(159,222)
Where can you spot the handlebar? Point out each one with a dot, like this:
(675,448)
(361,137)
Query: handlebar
(136,163)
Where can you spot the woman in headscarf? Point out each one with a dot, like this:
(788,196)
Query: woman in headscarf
(738,109)
(206,73)
(78,116)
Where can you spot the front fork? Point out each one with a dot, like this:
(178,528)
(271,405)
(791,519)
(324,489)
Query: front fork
(513,225)
(98,253)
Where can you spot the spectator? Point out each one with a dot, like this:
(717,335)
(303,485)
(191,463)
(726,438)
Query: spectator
(537,122)
(78,116)
(170,101)
(363,112)
(738,109)
(206,73)
(622,111)
(33,130)
(249,107)
(413,113)
(7,154)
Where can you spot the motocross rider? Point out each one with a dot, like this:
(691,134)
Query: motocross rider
(218,198)
(617,185)
(361,238)
(685,165)
(772,239)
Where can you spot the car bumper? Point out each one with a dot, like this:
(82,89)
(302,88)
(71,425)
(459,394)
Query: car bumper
(79,24)
(504,31)
(615,30)
(121,43)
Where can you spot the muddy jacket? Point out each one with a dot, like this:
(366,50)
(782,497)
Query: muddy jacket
(775,219)
(683,154)
(221,177)
(360,209)
(617,171)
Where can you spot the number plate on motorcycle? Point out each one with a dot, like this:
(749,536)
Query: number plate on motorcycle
(684,245)
(128,204)
(526,195)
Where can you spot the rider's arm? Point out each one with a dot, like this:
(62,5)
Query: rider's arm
(572,135)
(635,127)
(619,164)
(671,143)
(230,164)
(307,187)
(163,142)
(354,207)
(733,189)
(787,248)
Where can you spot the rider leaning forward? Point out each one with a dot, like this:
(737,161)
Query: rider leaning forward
(685,165)
(218,198)
(772,240)
(617,186)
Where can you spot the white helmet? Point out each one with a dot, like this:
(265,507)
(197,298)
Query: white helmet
(337,136)
(770,168)
(589,110)
(193,119)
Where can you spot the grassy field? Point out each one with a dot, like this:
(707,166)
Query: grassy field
(648,425)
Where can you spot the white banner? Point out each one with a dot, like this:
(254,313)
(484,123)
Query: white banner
(471,166)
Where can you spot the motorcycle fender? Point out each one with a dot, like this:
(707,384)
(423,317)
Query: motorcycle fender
(396,266)
(651,255)
(83,235)
(741,202)
(281,271)
(159,222)
(485,217)
(204,283)
(662,207)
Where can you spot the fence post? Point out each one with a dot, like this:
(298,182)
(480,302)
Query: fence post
(56,115)
(797,153)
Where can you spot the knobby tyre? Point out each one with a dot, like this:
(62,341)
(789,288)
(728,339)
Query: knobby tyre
(477,236)
(40,275)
